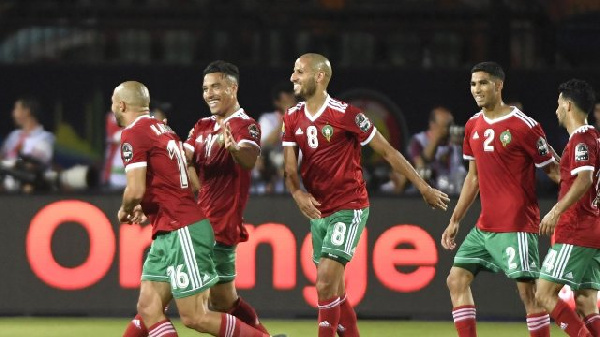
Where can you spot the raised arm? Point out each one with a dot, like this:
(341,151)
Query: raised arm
(433,197)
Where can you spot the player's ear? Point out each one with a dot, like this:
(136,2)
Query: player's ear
(122,106)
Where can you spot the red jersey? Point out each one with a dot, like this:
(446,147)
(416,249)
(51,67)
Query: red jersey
(580,224)
(224,184)
(168,201)
(330,144)
(506,151)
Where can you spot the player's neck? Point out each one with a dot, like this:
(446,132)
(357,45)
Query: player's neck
(497,110)
(228,114)
(314,104)
(573,124)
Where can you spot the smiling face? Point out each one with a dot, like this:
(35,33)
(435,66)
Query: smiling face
(485,89)
(220,93)
(304,79)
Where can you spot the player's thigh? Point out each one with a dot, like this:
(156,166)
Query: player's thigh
(188,259)
(154,295)
(573,265)
(472,254)
(224,259)
(515,253)
(344,229)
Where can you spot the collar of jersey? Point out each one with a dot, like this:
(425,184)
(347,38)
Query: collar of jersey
(235,114)
(499,119)
(319,112)
(582,128)
(137,119)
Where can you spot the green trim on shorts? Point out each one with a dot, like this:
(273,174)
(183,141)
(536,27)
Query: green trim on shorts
(183,258)
(336,237)
(576,266)
(514,253)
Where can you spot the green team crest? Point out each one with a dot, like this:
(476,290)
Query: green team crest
(505,138)
(327,132)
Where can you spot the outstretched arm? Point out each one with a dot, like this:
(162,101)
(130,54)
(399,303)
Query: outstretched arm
(433,197)
(244,154)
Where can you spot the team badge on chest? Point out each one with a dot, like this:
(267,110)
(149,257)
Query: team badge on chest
(220,139)
(505,137)
(327,132)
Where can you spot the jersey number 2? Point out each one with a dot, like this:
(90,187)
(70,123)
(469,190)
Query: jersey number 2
(176,151)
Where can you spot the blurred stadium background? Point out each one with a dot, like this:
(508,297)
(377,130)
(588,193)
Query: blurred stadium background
(395,58)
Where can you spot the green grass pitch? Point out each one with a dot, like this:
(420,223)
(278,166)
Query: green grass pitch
(99,327)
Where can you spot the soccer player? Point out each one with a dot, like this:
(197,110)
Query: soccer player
(222,150)
(179,263)
(574,259)
(503,147)
(329,133)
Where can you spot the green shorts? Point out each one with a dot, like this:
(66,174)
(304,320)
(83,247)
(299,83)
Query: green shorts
(336,236)
(577,266)
(224,258)
(516,254)
(183,258)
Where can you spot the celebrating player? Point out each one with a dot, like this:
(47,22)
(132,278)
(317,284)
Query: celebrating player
(574,259)
(330,133)
(179,263)
(503,147)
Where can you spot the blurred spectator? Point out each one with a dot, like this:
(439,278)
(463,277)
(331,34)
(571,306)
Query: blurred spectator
(437,152)
(161,110)
(267,175)
(28,149)
(114,172)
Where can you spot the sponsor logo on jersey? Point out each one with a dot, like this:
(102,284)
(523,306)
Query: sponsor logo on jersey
(569,275)
(505,137)
(299,132)
(476,135)
(127,151)
(363,122)
(581,152)
(254,133)
(542,147)
(327,132)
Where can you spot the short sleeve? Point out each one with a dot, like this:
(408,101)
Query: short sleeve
(537,146)
(247,131)
(356,122)
(135,148)
(585,152)
(287,128)
(190,142)
(467,150)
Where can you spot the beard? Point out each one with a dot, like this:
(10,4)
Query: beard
(308,90)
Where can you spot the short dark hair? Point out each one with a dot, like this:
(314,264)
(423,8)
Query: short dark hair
(220,66)
(580,93)
(491,68)
(281,87)
(31,103)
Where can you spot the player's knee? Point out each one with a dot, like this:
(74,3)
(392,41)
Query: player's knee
(195,321)
(325,289)
(542,297)
(456,282)
(585,304)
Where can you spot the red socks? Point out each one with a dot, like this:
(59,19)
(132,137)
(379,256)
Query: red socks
(538,324)
(464,320)
(247,314)
(329,316)
(162,329)
(567,319)
(233,327)
(347,326)
(136,328)
(592,323)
